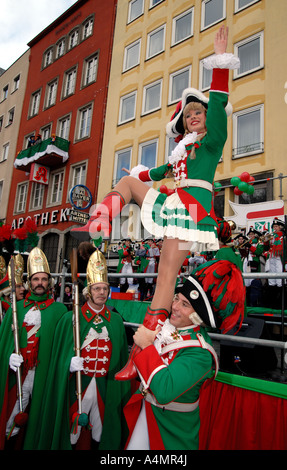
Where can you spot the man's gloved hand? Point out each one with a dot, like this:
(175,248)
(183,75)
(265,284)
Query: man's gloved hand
(15,361)
(76,364)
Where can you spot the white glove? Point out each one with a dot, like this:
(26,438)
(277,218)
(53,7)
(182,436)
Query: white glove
(15,361)
(77,363)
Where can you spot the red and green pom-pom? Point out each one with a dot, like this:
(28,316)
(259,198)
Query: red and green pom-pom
(79,420)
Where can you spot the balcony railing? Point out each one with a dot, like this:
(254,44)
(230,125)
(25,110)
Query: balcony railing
(51,152)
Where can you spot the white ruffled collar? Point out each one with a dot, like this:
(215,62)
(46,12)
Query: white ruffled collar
(33,317)
(179,151)
(166,335)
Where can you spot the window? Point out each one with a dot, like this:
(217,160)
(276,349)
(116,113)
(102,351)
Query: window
(127,107)
(182,26)
(136,8)
(60,48)
(69,82)
(87,28)
(178,81)
(46,132)
(90,69)
(153,3)
(5,92)
(16,83)
(1,122)
(212,11)
(48,57)
(85,116)
(155,42)
(64,127)
(37,196)
(250,53)
(132,55)
(56,188)
(1,189)
(21,197)
(152,97)
(35,102)
(78,174)
(205,77)
(148,153)
(248,132)
(11,116)
(51,93)
(263,191)
(5,152)
(122,160)
(73,38)
(241,4)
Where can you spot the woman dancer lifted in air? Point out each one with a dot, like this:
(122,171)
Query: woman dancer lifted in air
(185,218)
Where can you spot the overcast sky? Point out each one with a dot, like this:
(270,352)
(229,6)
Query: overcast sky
(21,21)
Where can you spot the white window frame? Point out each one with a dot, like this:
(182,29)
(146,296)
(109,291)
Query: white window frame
(63,126)
(90,69)
(80,178)
(131,3)
(134,44)
(203,5)
(117,157)
(237,8)
(149,39)
(60,47)
(37,196)
(259,36)
(174,26)
(21,198)
(51,93)
(48,57)
(172,77)
(87,28)
(84,121)
(145,144)
(11,114)
(247,152)
(56,188)
(35,103)
(5,152)
(5,92)
(145,92)
(69,82)
(122,106)
(46,131)
(73,38)
(16,82)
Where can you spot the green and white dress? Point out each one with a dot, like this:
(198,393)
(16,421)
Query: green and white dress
(187,213)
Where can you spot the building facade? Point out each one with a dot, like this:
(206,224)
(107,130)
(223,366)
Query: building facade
(64,104)
(158,51)
(12,90)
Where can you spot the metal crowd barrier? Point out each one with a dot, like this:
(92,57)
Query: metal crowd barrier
(282,345)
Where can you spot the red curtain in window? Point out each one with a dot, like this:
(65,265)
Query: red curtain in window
(233,418)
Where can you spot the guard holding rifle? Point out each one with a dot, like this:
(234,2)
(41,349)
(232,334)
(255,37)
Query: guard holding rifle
(25,354)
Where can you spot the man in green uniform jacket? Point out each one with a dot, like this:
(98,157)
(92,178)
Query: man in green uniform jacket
(37,315)
(104,350)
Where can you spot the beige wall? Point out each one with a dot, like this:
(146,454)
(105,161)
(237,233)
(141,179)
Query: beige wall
(265,86)
(9,133)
